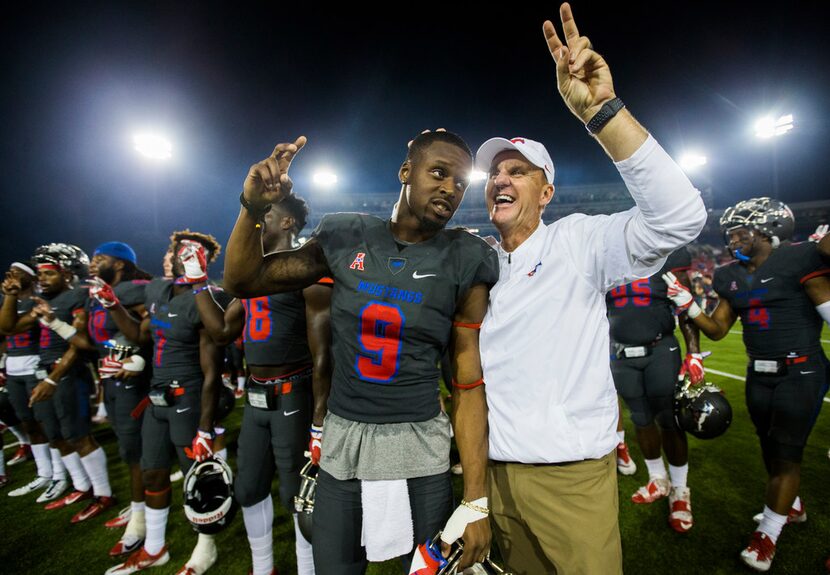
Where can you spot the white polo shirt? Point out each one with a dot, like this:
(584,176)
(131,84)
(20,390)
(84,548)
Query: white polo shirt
(544,340)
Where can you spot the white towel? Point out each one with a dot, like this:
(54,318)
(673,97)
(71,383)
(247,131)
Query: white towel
(387,519)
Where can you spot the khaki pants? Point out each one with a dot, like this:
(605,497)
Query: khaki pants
(558,519)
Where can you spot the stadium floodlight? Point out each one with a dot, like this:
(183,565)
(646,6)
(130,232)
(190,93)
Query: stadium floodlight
(691,161)
(477,176)
(153,146)
(769,127)
(324,178)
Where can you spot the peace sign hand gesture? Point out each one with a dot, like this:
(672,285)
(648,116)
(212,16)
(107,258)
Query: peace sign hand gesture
(582,75)
(267,181)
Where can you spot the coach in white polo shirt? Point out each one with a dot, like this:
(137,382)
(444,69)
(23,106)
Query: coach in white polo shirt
(544,341)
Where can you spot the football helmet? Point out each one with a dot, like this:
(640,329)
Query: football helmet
(304,501)
(209,504)
(431,561)
(701,410)
(768,216)
(67,256)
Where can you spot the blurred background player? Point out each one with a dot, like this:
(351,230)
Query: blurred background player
(65,375)
(645,363)
(22,361)
(287,338)
(121,370)
(184,390)
(775,288)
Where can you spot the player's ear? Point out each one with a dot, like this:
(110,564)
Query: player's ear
(403,173)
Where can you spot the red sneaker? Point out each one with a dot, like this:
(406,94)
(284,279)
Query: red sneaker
(23,453)
(69,499)
(94,509)
(140,560)
(121,519)
(759,553)
(122,548)
(655,489)
(680,509)
(625,465)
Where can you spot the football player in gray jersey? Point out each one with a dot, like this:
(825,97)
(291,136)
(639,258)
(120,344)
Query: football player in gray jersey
(183,395)
(22,347)
(404,290)
(287,340)
(65,378)
(778,290)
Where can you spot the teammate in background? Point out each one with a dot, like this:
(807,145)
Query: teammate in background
(775,288)
(121,370)
(184,391)
(22,346)
(645,362)
(64,377)
(404,290)
(287,340)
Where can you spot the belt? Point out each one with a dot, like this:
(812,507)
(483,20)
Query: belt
(283,384)
(776,365)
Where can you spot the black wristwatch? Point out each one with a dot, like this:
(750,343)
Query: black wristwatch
(257,214)
(609,110)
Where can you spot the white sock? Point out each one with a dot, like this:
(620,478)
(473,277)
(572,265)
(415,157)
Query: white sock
(678,475)
(656,468)
(43,460)
(58,468)
(20,435)
(102,410)
(621,436)
(772,524)
(223,453)
(305,556)
(259,519)
(156,523)
(797,503)
(137,506)
(240,382)
(95,464)
(80,480)
(136,528)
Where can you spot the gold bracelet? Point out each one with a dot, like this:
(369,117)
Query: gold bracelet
(475,507)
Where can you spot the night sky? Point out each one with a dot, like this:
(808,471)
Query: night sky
(226,81)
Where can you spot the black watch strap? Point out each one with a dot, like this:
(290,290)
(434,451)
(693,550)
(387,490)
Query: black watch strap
(609,110)
(256,213)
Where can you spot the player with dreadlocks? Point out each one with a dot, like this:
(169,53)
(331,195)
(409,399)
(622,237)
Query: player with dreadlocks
(183,390)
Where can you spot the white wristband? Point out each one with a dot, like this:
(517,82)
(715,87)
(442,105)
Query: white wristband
(135,365)
(50,381)
(461,517)
(61,328)
(694,310)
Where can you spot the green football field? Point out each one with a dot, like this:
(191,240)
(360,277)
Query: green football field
(726,477)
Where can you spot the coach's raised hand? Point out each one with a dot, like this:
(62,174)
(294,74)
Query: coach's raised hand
(582,75)
(267,181)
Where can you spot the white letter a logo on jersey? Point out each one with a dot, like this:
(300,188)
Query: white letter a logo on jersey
(396,264)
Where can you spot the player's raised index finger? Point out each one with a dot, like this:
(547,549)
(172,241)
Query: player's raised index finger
(293,149)
(568,24)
